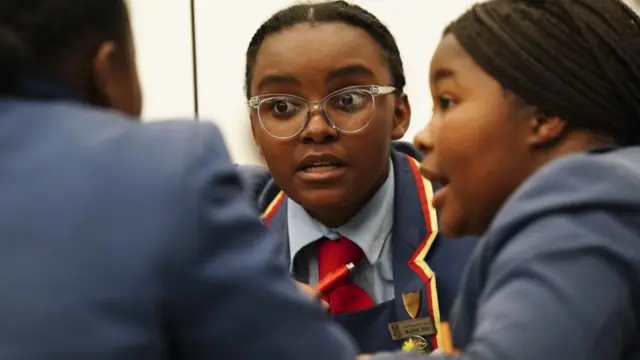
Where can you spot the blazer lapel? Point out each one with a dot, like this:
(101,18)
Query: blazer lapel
(415,229)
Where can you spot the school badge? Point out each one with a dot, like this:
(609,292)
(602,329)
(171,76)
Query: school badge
(414,327)
(411,302)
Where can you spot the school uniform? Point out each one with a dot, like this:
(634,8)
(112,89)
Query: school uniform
(406,269)
(129,241)
(557,276)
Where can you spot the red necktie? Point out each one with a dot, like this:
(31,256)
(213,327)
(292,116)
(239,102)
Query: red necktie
(345,296)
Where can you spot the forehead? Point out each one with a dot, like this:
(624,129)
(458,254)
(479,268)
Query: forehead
(451,62)
(317,55)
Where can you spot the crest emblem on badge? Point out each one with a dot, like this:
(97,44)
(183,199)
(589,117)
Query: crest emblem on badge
(411,302)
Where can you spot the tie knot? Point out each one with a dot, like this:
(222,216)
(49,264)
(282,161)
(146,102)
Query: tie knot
(337,253)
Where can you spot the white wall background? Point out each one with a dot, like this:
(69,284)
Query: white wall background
(223,31)
(162,31)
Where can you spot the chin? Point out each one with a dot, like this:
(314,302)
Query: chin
(451,228)
(327,197)
(450,231)
(452,225)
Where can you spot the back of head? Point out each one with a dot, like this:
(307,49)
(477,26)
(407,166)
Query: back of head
(325,12)
(60,40)
(575,59)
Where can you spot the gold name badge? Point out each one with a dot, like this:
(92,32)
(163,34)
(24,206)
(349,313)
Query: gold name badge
(414,327)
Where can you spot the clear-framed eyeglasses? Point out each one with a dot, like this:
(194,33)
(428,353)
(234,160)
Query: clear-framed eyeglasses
(347,110)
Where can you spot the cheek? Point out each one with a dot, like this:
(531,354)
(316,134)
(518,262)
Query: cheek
(456,145)
(273,156)
(478,155)
(463,153)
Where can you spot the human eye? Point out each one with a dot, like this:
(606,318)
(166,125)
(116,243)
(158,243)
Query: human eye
(350,100)
(443,103)
(282,107)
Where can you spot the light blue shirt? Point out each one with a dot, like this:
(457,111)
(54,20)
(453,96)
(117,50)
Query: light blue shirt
(370,229)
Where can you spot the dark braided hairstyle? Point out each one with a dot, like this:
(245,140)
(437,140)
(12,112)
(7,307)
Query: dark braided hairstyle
(43,34)
(575,59)
(332,11)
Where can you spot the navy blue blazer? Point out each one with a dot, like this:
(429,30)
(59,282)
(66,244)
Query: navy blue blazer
(427,268)
(129,241)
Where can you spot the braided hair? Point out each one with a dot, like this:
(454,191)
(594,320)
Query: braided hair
(575,59)
(43,34)
(332,11)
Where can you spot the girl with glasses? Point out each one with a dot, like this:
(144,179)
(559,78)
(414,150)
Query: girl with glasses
(324,84)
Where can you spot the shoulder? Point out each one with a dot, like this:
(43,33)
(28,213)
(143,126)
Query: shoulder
(259,185)
(158,159)
(573,224)
(111,132)
(589,180)
(583,204)
(177,145)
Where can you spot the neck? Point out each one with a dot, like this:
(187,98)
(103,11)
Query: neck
(333,217)
(577,141)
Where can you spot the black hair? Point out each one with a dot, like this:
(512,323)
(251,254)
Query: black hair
(40,35)
(332,11)
(575,59)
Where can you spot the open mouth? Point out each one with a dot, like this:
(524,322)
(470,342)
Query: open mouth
(320,166)
(440,195)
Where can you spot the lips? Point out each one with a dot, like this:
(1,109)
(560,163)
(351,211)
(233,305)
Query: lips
(320,162)
(320,168)
(439,197)
(434,176)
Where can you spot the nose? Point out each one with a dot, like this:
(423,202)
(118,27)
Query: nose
(423,141)
(319,129)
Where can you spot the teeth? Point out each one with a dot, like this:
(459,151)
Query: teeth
(319,167)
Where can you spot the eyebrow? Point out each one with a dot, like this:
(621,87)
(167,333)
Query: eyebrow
(278,80)
(282,79)
(442,74)
(349,70)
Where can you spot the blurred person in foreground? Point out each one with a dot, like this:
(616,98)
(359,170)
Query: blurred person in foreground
(120,240)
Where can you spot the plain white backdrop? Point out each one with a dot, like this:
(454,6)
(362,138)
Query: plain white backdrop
(223,30)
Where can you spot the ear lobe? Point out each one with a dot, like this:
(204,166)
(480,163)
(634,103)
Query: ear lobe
(104,87)
(546,130)
(401,117)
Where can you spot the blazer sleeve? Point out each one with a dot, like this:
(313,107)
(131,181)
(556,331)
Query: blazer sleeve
(562,288)
(229,295)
